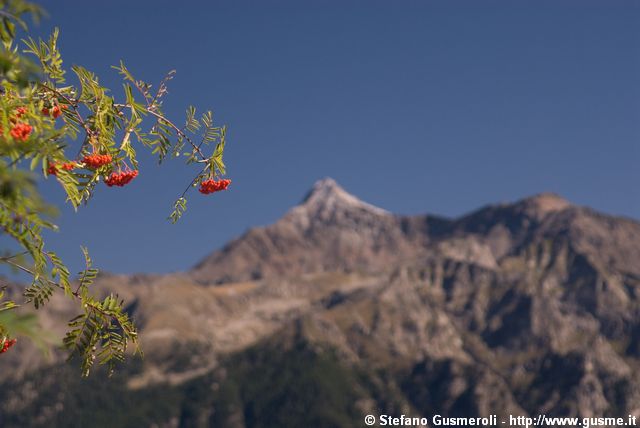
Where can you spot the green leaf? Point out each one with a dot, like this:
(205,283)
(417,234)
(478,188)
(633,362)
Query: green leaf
(179,207)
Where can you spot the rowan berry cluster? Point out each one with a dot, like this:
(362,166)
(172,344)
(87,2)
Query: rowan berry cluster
(21,131)
(120,178)
(211,186)
(67,166)
(55,111)
(7,344)
(95,160)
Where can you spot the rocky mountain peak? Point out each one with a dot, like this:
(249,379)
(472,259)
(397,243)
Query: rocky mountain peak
(548,202)
(323,188)
(330,230)
(538,206)
(327,197)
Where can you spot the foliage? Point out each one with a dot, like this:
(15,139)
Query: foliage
(79,133)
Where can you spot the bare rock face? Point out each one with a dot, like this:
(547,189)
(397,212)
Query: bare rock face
(327,202)
(330,230)
(522,308)
(539,206)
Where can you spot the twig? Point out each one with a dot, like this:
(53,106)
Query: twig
(76,294)
(74,105)
(179,131)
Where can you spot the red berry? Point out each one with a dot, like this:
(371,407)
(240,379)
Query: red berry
(56,112)
(120,178)
(95,161)
(21,131)
(67,166)
(211,186)
(7,344)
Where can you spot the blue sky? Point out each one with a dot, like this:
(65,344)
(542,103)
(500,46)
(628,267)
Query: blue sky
(414,106)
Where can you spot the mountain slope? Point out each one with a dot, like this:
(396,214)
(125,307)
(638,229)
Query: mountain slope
(523,308)
(330,230)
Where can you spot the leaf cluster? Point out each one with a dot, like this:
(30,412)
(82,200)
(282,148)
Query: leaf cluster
(93,122)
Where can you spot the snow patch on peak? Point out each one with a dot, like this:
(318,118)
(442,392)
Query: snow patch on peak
(544,203)
(326,194)
(327,202)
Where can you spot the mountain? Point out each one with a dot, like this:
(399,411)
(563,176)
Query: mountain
(330,231)
(341,309)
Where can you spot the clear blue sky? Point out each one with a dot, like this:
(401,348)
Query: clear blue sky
(414,106)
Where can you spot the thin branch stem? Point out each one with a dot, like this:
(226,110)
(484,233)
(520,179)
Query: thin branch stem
(178,131)
(32,273)
(74,105)
(76,293)
(5,258)
(189,186)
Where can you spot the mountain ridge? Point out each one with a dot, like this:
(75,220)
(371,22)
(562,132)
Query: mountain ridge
(349,225)
(525,308)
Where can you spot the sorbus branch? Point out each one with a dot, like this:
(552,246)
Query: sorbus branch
(74,105)
(76,294)
(179,132)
